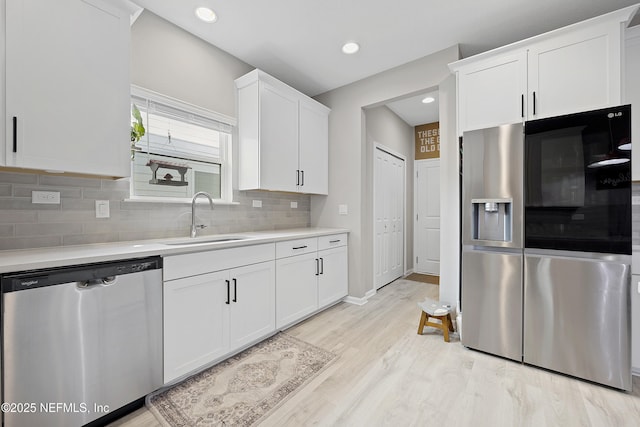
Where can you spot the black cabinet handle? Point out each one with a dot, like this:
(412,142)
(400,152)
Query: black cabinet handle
(534,102)
(228,301)
(15,134)
(299,247)
(235,290)
(321,265)
(302,178)
(522,105)
(334,241)
(297,176)
(317,267)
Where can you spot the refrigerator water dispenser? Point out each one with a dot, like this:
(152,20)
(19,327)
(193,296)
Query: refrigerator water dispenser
(492,219)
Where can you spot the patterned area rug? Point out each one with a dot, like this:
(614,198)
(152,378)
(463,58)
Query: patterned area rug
(241,390)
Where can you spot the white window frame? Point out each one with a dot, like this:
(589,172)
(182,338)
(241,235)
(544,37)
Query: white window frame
(226,150)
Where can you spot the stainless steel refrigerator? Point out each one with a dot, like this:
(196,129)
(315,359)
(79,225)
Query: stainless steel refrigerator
(546,229)
(492,240)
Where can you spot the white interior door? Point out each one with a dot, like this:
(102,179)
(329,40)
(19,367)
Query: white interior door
(389,202)
(427,227)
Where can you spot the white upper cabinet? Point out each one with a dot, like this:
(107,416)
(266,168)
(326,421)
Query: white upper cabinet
(572,69)
(492,92)
(313,154)
(67,86)
(577,71)
(278,136)
(283,137)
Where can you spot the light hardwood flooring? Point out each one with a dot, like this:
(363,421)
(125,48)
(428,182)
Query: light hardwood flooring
(388,375)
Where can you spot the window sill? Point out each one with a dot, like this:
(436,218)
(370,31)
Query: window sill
(177,200)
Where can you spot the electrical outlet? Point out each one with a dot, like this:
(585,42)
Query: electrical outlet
(45,197)
(635,200)
(257,203)
(343,210)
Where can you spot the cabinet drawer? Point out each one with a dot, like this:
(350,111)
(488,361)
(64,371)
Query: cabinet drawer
(186,265)
(296,247)
(333,241)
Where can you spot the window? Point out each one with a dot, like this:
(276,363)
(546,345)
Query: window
(185,149)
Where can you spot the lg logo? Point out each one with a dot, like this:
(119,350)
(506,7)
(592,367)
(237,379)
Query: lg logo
(612,115)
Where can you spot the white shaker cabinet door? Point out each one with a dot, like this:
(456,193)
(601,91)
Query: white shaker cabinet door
(333,281)
(278,139)
(314,148)
(252,308)
(297,288)
(579,71)
(196,322)
(67,86)
(493,92)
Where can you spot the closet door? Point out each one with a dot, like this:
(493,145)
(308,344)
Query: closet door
(389,202)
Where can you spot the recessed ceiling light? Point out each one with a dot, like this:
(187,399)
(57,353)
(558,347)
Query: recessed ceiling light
(428,100)
(350,48)
(206,14)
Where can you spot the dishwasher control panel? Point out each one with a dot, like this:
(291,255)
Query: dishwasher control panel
(78,273)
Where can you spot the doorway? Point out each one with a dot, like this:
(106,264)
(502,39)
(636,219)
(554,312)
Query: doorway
(389,209)
(427,217)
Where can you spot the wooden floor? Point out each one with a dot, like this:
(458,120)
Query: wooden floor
(426,278)
(388,375)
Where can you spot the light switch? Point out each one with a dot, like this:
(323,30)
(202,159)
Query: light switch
(257,203)
(343,210)
(102,209)
(294,205)
(635,200)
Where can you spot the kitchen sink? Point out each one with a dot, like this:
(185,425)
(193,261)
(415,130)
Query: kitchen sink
(206,239)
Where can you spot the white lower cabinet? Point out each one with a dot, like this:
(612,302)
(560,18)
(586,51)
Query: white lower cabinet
(333,279)
(210,315)
(218,302)
(196,322)
(297,288)
(310,274)
(252,306)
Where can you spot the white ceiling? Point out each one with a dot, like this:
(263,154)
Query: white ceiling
(299,41)
(413,111)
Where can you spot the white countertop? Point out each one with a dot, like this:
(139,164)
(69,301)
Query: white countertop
(32,259)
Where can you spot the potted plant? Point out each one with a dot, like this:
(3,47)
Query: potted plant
(137,129)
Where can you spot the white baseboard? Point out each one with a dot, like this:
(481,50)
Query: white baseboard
(356,301)
(360,301)
(408,272)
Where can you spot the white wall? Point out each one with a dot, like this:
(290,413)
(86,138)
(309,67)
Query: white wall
(168,60)
(350,161)
(386,128)
(449,194)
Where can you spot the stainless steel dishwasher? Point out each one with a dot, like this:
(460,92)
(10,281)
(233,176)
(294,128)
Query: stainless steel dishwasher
(80,342)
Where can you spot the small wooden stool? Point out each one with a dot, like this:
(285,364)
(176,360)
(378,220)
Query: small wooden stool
(438,310)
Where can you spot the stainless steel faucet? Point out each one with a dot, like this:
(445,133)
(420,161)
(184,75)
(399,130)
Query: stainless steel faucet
(194,227)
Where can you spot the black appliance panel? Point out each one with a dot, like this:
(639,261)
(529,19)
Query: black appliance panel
(569,203)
